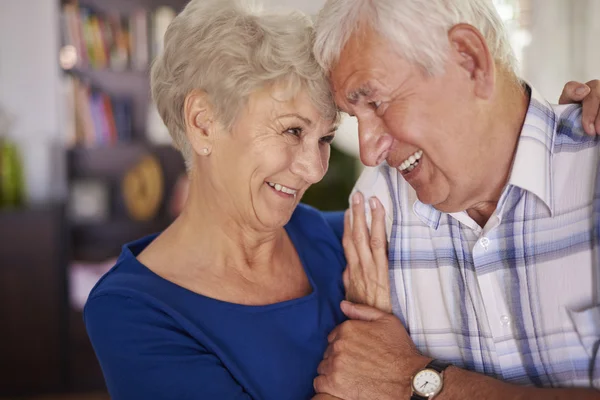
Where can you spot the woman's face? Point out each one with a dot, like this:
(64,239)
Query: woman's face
(276,149)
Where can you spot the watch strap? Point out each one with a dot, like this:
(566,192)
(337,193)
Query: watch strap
(418,397)
(438,365)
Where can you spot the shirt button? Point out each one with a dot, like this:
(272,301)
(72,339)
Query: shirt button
(505,320)
(485,243)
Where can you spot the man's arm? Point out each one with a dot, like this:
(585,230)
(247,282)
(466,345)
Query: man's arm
(371,356)
(459,384)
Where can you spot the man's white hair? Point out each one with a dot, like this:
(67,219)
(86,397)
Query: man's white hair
(417,29)
(231,49)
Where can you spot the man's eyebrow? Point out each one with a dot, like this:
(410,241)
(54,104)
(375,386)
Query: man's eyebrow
(304,119)
(356,94)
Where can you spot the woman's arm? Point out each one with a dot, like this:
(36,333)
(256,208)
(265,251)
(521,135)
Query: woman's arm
(144,354)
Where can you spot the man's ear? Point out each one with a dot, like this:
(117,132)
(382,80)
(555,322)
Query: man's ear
(469,48)
(199,121)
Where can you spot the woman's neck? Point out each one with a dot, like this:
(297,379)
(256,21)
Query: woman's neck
(214,231)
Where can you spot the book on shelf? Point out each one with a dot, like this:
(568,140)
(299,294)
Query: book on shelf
(109,40)
(94,118)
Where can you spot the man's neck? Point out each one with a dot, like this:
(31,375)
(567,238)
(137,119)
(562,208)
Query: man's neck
(510,108)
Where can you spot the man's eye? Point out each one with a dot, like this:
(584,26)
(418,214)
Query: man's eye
(375,104)
(297,131)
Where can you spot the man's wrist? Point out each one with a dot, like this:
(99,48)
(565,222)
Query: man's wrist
(412,367)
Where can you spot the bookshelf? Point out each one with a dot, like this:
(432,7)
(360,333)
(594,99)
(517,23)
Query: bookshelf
(107,48)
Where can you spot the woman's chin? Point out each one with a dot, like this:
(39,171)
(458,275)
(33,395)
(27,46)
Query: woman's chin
(275,217)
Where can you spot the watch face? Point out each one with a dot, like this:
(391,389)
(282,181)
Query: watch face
(427,382)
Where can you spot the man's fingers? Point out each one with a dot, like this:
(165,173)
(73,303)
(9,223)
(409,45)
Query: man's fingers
(323,385)
(591,109)
(325,396)
(333,334)
(573,92)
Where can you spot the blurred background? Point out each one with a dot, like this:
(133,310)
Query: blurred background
(86,164)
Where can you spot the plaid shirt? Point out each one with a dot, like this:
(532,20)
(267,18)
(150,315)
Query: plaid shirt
(518,299)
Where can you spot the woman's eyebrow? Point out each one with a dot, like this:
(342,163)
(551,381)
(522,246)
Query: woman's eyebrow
(304,119)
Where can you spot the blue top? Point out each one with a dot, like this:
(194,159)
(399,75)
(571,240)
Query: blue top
(157,340)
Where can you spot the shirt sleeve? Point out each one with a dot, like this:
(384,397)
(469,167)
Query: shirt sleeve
(373,183)
(144,354)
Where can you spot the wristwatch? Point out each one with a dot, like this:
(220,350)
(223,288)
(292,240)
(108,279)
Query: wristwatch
(428,382)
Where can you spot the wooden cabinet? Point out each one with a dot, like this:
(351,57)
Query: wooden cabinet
(33,301)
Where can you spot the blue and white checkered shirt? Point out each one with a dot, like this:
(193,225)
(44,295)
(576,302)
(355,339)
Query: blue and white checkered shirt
(518,299)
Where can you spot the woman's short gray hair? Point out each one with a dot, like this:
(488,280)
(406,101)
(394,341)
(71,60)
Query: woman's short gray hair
(230,49)
(417,28)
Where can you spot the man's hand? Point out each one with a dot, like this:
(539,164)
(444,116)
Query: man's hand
(370,356)
(366,278)
(589,95)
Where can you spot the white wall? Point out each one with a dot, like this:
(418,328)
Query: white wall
(564,47)
(29,89)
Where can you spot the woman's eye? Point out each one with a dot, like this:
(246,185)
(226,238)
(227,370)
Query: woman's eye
(294,131)
(327,139)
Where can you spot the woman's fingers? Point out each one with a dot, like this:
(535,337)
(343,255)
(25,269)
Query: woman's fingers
(366,276)
(378,241)
(360,232)
(380,255)
(352,262)
(348,242)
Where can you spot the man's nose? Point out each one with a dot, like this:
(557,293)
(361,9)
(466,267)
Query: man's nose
(374,143)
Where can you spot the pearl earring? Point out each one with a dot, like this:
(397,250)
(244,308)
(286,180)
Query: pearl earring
(206,151)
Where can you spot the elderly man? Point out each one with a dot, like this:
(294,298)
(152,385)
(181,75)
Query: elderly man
(492,200)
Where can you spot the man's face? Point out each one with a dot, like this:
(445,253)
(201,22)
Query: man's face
(424,126)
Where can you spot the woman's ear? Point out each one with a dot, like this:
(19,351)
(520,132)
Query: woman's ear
(469,48)
(199,122)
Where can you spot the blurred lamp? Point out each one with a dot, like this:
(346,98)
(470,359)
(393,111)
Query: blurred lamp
(68,57)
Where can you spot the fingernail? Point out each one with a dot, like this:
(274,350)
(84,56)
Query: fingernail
(373,203)
(592,128)
(580,91)
(356,198)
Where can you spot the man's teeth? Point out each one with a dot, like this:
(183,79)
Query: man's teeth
(411,162)
(281,188)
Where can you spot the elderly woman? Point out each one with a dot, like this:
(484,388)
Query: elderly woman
(236,298)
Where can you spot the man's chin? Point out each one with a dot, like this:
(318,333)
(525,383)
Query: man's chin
(437,201)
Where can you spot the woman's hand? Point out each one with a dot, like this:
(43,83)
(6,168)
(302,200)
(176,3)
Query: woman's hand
(366,277)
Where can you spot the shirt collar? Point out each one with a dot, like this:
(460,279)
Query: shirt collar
(532,165)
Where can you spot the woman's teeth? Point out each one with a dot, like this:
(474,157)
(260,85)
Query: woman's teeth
(411,162)
(281,188)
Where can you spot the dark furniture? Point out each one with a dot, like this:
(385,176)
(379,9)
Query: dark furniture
(33,300)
